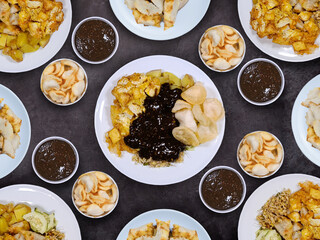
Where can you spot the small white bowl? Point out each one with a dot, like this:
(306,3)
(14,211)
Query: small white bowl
(217,70)
(84,92)
(264,176)
(282,81)
(243,192)
(74,34)
(100,216)
(75,167)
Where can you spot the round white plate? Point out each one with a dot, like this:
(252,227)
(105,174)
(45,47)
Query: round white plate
(45,200)
(248,225)
(282,52)
(299,125)
(174,216)
(40,57)
(194,161)
(7,163)
(187,18)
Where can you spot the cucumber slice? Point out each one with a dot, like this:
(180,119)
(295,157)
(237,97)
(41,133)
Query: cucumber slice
(272,235)
(260,234)
(37,221)
(52,222)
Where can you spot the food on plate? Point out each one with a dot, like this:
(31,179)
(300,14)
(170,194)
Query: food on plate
(63,81)
(294,22)
(95,194)
(293,215)
(162,231)
(152,12)
(313,117)
(222,189)
(261,81)
(157,116)
(260,154)
(268,235)
(19,222)
(222,48)
(55,160)
(25,26)
(10,125)
(95,40)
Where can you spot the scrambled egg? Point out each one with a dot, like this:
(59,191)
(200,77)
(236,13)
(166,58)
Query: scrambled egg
(294,22)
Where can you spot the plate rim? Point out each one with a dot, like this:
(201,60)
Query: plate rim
(243,24)
(97,111)
(163,210)
(48,193)
(294,128)
(25,112)
(52,53)
(150,37)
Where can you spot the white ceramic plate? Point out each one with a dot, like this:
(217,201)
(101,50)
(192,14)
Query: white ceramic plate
(40,57)
(282,52)
(45,200)
(194,161)
(299,125)
(248,225)
(187,18)
(174,216)
(7,163)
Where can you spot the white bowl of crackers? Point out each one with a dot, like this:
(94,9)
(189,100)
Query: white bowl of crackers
(260,154)
(221,48)
(95,194)
(64,82)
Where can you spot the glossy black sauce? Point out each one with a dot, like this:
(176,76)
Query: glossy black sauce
(151,132)
(222,189)
(55,160)
(260,81)
(95,40)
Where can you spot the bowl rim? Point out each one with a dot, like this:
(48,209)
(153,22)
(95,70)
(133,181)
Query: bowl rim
(282,81)
(264,176)
(235,66)
(84,92)
(74,150)
(244,191)
(100,216)
(76,29)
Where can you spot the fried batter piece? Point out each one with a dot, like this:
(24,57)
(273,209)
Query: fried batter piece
(288,22)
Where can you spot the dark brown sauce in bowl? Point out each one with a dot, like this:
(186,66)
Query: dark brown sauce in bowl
(95,40)
(222,189)
(55,160)
(260,81)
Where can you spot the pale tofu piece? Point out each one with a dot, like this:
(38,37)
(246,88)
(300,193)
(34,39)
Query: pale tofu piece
(285,228)
(171,8)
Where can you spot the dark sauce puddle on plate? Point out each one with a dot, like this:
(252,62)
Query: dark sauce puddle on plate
(151,132)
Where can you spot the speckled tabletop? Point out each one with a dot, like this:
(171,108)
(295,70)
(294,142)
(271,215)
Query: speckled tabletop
(76,124)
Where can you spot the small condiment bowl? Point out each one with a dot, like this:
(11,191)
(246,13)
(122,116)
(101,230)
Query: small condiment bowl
(271,100)
(70,103)
(87,215)
(243,192)
(74,34)
(214,69)
(256,176)
(75,167)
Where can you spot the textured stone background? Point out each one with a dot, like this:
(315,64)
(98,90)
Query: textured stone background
(76,124)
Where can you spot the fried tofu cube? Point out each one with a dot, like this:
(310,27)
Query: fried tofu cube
(269,16)
(271,4)
(294,216)
(311,26)
(286,7)
(315,193)
(305,15)
(114,135)
(299,46)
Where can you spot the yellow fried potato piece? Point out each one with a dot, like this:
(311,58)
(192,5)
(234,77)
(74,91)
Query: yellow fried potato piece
(20,210)
(3,40)
(3,225)
(22,39)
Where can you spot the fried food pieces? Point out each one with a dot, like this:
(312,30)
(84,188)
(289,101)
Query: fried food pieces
(288,22)
(162,232)
(26,25)
(313,117)
(9,128)
(130,94)
(151,12)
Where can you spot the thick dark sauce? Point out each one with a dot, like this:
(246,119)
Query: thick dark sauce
(260,81)
(55,160)
(222,189)
(151,132)
(95,40)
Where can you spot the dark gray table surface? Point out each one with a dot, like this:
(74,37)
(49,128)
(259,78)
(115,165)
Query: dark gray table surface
(76,124)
